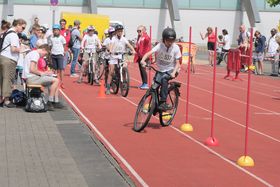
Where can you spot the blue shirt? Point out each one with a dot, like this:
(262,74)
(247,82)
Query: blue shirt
(260,44)
(33,41)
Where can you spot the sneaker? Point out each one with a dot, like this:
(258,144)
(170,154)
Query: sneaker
(9,105)
(74,75)
(107,92)
(96,82)
(50,106)
(274,75)
(164,107)
(79,81)
(144,86)
(58,105)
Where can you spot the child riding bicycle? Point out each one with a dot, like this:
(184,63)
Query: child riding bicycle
(90,44)
(167,60)
(116,48)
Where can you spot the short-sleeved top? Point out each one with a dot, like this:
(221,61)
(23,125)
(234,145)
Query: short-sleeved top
(90,43)
(75,34)
(166,58)
(32,56)
(226,40)
(106,43)
(33,41)
(212,38)
(57,42)
(119,45)
(12,40)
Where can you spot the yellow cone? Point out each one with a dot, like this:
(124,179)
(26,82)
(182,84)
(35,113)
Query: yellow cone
(166,116)
(245,161)
(252,67)
(186,127)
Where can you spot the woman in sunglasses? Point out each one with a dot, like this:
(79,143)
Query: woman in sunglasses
(10,50)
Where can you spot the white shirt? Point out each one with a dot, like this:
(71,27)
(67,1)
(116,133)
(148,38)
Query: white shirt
(90,43)
(226,40)
(119,46)
(106,43)
(41,41)
(32,56)
(11,38)
(272,46)
(166,59)
(57,44)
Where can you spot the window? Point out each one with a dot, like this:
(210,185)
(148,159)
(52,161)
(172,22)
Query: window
(128,3)
(205,4)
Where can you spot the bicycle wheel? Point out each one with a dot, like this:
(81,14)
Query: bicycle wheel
(90,73)
(114,84)
(100,68)
(144,111)
(125,82)
(166,117)
(69,56)
(225,57)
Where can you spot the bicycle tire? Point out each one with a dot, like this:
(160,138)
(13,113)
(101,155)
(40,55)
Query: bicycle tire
(146,108)
(100,69)
(115,84)
(90,74)
(166,117)
(225,57)
(124,85)
(69,57)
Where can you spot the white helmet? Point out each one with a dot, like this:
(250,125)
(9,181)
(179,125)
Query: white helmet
(111,30)
(106,32)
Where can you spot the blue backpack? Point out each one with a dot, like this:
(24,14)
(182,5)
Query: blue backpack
(18,98)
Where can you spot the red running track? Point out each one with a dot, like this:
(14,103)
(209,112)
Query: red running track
(165,156)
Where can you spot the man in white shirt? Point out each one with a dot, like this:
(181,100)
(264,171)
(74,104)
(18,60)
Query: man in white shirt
(34,76)
(8,60)
(271,52)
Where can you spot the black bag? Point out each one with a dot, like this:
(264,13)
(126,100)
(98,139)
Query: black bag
(2,37)
(18,98)
(72,40)
(36,102)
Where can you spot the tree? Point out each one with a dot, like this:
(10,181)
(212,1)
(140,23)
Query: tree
(273,3)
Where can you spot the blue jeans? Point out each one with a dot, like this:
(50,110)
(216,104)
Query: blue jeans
(76,53)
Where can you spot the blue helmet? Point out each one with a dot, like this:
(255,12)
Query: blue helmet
(56,26)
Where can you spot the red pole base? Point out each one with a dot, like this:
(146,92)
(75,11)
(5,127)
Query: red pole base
(211,141)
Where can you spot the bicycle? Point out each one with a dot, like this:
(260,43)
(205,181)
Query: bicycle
(222,56)
(101,65)
(92,65)
(120,78)
(149,103)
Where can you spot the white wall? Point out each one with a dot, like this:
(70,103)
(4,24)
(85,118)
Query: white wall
(158,19)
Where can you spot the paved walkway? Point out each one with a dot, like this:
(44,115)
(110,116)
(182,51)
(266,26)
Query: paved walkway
(53,149)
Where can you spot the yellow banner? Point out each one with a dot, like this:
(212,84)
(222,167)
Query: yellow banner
(184,46)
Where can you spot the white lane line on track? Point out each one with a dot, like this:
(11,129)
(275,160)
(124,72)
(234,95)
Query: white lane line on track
(266,113)
(212,151)
(107,143)
(223,117)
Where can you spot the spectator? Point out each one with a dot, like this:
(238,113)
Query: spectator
(243,44)
(35,36)
(271,52)
(34,76)
(8,61)
(143,45)
(57,43)
(259,48)
(66,34)
(36,22)
(5,25)
(76,39)
(211,44)
(226,45)
(42,38)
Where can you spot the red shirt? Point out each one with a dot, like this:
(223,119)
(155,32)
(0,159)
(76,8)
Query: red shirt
(66,34)
(212,37)
(143,45)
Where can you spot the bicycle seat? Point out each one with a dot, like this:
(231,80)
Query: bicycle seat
(176,84)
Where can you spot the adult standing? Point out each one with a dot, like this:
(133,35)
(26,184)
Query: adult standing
(210,44)
(5,25)
(76,39)
(143,45)
(271,52)
(35,36)
(36,22)
(259,48)
(8,60)
(243,45)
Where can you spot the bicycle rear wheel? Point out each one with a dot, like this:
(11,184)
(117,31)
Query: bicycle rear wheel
(90,73)
(144,111)
(225,57)
(125,82)
(166,117)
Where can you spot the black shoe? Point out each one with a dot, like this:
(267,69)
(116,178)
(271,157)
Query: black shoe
(50,106)
(164,107)
(9,105)
(274,75)
(58,105)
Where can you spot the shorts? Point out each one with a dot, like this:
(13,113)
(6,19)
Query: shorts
(211,46)
(44,80)
(58,62)
(258,57)
(86,58)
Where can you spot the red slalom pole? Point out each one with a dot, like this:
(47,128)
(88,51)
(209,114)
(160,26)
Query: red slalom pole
(187,127)
(247,160)
(212,141)
(149,76)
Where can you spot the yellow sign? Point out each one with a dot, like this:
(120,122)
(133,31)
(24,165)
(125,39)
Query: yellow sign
(100,22)
(184,46)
